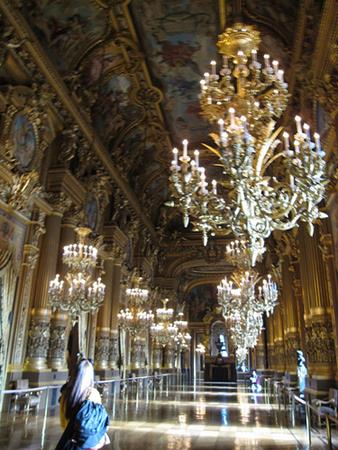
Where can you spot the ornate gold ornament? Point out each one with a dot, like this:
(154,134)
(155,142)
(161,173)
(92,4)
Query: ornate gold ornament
(22,138)
(266,185)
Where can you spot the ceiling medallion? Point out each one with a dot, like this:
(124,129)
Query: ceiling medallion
(268,183)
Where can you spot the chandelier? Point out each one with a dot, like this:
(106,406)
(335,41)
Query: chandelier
(267,183)
(182,337)
(136,317)
(78,292)
(243,307)
(164,331)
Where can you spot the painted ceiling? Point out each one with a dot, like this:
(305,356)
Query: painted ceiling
(134,67)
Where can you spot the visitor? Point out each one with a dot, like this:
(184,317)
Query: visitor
(83,417)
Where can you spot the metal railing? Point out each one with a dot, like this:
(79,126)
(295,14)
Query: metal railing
(16,401)
(287,398)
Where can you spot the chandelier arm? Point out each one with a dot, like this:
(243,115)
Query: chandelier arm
(271,160)
(265,149)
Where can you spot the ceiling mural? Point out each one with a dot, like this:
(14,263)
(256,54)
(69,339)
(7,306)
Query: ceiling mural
(179,38)
(66,28)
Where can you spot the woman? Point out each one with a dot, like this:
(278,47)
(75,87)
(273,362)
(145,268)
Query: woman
(82,415)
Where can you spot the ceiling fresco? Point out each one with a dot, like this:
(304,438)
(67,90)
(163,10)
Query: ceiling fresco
(179,40)
(66,27)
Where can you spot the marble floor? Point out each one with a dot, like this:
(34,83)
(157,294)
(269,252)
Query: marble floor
(175,418)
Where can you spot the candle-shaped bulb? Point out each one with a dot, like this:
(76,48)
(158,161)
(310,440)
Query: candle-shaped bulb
(275,66)
(286,140)
(280,75)
(317,141)
(267,60)
(298,120)
(254,55)
(296,145)
(175,153)
(206,77)
(185,148)
(213,67)
(196,154)
(214,187)
(306,128)
(221,126)
(232,117)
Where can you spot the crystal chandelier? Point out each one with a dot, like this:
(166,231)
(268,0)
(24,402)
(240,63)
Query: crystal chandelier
(266,185)
(243,307)
(78,293)
(136,317)
(164,331)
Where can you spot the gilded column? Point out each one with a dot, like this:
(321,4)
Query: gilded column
(327,249)
(26,283)
(278,340)
(38,335)
(318,320)
(260,353)
(271,348)
(291,333)
(115,308)
(103,335)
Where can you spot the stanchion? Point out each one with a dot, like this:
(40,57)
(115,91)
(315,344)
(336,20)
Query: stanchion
(328,432)
(45,415)
(293,407)
(308,423)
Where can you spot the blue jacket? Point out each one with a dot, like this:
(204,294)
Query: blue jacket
(86,428)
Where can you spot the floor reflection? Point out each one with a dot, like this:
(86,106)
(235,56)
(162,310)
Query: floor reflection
(207,417)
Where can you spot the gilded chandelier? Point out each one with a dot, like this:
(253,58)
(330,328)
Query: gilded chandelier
(164,330)
(243,308)
(78,293)
(136,317)
(267,183)
(242,303)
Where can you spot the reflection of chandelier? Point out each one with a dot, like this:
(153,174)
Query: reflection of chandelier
(246,100)
(80,293)
(243,307)
(164,331)
(136,318)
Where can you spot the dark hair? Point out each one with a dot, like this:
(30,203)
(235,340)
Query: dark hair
(77,387)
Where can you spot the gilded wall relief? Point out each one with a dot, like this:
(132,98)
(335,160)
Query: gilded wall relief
(179,38)
(12,235)
(114,110)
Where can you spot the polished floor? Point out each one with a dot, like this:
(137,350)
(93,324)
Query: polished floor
(171,417)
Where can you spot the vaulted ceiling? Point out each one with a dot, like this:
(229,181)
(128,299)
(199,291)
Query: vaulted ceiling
(134,68)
